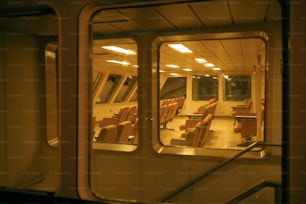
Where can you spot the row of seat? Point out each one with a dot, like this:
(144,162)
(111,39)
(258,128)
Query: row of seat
(202,112)
(125,132)
(196,127)
(167,113)
(202,109)
(179,100)
(126,113)
(243,108)
(246,121)
(196,136)
(122,127)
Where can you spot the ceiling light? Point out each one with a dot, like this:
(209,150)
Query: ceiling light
(124,63)
(119,49)
(174,74)
(209,64)
(216,68)
(187,69)
(172,66)
(180,48)
(200,60)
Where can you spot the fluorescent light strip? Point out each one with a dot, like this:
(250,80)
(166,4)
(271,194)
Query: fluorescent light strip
(209,65)
(172,66)
(187,69)
(119,49)
(200,60)
(125,63)
(180,48)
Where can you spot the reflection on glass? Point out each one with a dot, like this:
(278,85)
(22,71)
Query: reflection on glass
(199,110)
(114,84)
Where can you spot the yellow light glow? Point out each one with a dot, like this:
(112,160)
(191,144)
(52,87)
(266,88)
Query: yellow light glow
(200,60)
(209,64)
(180,47)
(124,63)
(187,69)
(119,49)
(172,66)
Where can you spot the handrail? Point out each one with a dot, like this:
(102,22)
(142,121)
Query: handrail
(256,188)
(216,168)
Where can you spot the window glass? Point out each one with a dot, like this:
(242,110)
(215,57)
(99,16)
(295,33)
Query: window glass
(237,87)
(207,117)
(174,87)
(108,89)
(114,114)
(204,87)
(126,89)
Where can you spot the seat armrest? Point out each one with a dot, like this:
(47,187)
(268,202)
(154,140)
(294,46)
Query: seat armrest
(245,117)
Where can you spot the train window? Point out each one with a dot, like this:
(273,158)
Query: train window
(114,116)
(211,113)
(204,87)
(174,87)
(108,89)
(237,87)
(126,90)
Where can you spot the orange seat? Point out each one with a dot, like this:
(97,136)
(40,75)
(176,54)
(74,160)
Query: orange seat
(125,132)
(108,134)
(116,118)
(243,109)
(197,135)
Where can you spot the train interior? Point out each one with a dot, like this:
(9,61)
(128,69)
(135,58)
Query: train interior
(167,97)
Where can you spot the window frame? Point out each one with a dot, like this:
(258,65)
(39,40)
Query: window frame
(159,39)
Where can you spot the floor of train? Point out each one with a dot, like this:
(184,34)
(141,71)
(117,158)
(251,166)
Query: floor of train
(221,133)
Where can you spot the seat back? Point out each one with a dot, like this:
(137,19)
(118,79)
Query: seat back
(108,134)
(132,114)
(125,132)
(122,114)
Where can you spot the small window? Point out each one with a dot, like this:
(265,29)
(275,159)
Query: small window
(126,89)
(174,87)
(237,87)
(204,87)
(108,89)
